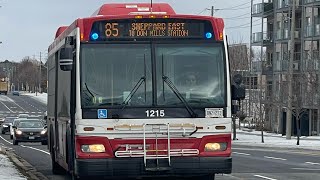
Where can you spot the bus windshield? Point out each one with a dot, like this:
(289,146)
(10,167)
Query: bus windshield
(196,70)
(111,72)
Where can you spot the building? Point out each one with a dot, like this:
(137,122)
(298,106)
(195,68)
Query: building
(273,20)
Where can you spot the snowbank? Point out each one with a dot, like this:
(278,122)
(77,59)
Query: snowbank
(8,170)
(276,140)
(41,97)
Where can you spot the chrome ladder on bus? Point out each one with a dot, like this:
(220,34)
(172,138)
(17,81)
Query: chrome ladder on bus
(156,129)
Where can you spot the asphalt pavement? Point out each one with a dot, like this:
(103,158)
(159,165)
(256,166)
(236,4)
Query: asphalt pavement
(249,163)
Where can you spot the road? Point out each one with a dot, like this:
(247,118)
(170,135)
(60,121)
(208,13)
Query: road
(249,163)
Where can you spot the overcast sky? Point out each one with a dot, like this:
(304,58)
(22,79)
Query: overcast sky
(27,27)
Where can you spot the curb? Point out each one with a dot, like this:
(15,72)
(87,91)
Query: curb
(27,168)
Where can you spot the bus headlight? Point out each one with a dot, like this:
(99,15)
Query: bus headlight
(97,148)
(221,146)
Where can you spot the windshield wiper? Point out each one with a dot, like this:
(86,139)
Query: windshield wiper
(133,91)
(177,93)
(88,90)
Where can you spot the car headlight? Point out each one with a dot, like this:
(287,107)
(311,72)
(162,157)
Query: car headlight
(5,126)
(43,131)
(96,148)
(221,146)
(18,132)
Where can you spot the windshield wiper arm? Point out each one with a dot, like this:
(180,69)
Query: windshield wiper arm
(133,91)
(178,94)
(88,89)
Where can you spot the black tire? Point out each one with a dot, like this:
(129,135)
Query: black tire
(44,143)
(15,142)
(11,136)
(2,132)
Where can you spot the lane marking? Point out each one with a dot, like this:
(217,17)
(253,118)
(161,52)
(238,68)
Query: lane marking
(312,163)
(239,153)
(26,146)
(36,149)
(228,175)
(263,177)
(19,106)
(6,106)
(307,169)
(5,140)
(269,157)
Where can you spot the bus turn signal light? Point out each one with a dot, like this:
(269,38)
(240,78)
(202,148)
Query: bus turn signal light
(93,148)
(221,146)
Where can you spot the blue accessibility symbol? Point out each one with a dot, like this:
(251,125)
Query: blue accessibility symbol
(102,113)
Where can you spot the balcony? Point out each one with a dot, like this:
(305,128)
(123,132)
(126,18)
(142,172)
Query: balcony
(282,34)
(311,61)
(308,31)
(283,4)
(261,9)
(317,29)
(284,61)
(308,1)
(262,37)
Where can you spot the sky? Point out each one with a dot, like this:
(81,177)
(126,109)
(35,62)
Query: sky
(27,27)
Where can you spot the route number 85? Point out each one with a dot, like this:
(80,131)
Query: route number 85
(155,113)
(111,29)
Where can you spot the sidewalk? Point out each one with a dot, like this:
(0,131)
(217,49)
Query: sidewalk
(258,133)
(8,170)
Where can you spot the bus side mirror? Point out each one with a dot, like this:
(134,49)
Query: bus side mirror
(66,58)
(238,90)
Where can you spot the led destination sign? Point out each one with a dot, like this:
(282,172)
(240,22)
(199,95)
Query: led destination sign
(151,28)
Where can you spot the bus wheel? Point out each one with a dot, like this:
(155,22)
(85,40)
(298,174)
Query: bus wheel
(56,168)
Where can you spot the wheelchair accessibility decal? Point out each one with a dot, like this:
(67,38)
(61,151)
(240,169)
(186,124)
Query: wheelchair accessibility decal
(102,113)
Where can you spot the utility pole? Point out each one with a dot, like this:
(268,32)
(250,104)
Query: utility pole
(289,108)
(40,75)
(212,10)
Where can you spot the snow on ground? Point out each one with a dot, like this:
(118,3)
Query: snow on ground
(8,170)
(276,140)
(42,97)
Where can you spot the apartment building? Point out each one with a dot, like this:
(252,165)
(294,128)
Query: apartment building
(271,30)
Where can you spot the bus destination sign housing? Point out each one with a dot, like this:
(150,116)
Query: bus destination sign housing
(144,29)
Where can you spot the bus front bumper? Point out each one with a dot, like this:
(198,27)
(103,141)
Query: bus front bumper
(134,167)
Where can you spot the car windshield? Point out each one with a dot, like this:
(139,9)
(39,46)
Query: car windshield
(9,120)
(30,124)
(23,115)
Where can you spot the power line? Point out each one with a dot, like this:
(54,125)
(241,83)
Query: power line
(239,5)
(206,9)
(236,16)
(244,24)
(232,9)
